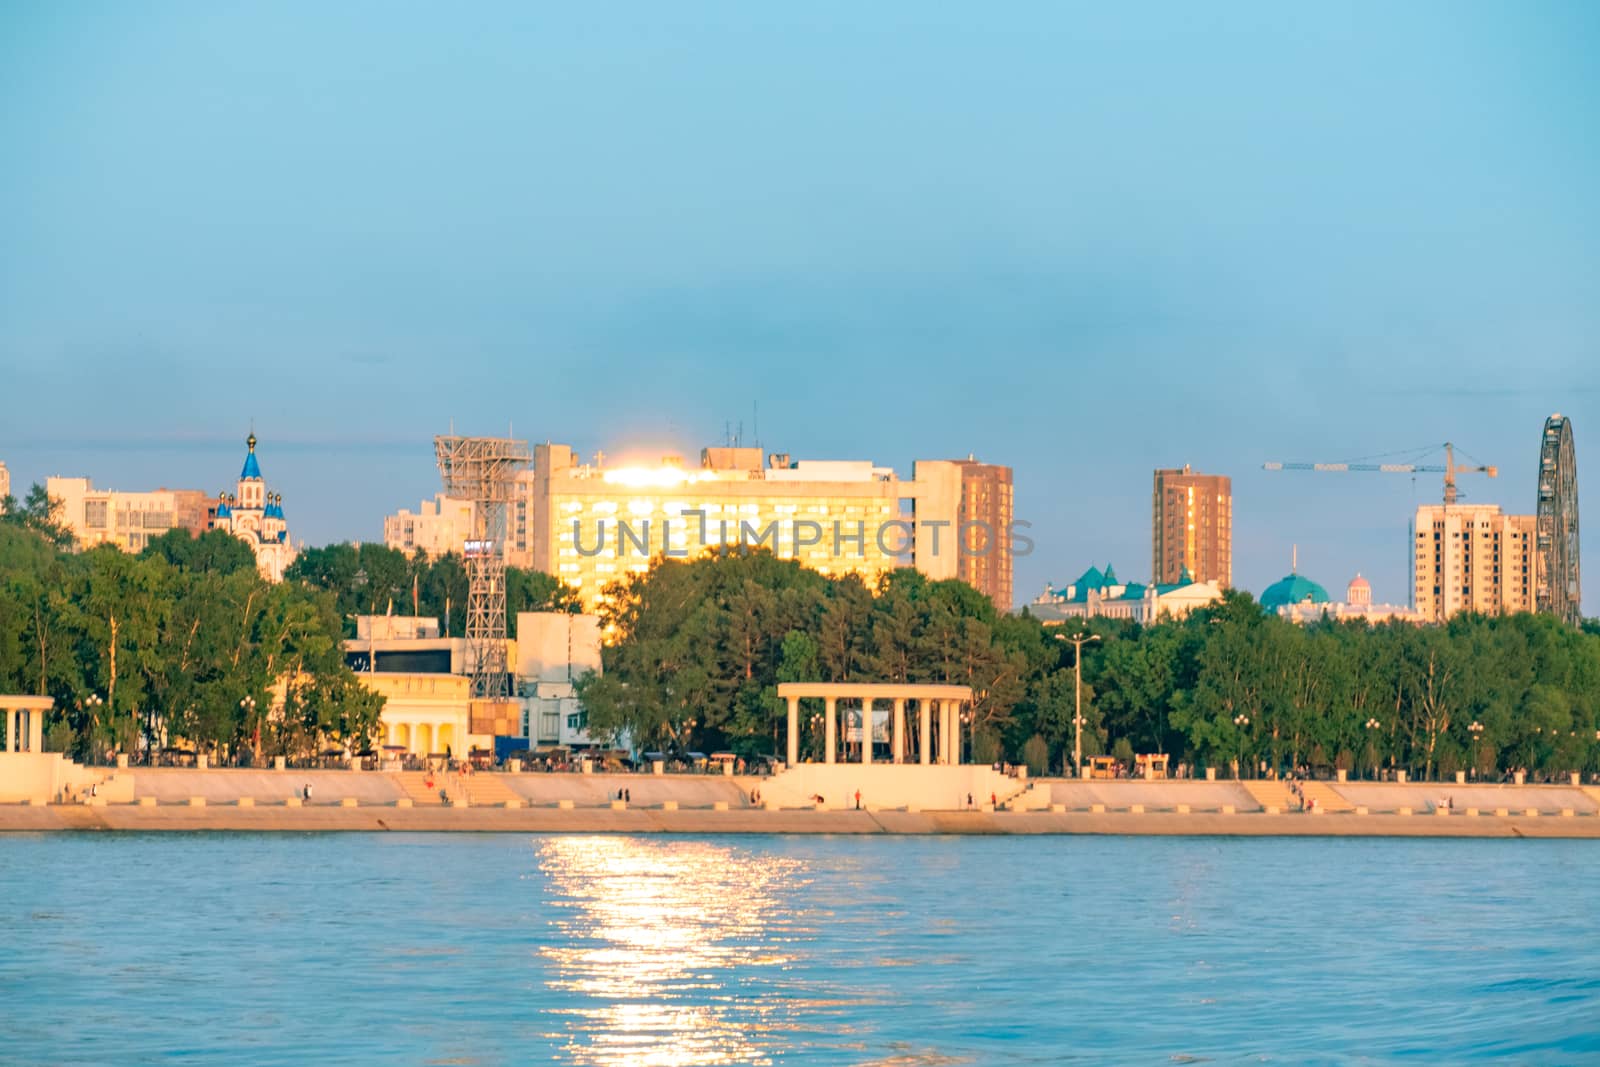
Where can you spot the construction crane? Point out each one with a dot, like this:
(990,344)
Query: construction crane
(1450,469)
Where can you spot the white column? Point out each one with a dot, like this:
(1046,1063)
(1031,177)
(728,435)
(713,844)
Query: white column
(11,730)
(899,745)
(35,730)
(924,733)
(944,733)
(830,728)
(793,751)
(866,731)
(955,732)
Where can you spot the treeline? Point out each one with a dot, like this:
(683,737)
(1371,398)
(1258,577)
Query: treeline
(373,579)
(183,644)
(699,648)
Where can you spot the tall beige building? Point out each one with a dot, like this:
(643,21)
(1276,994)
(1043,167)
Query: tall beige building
(438,526)
(5,485)
(1192,527)
(127,520)
(591,524)
(980,496)
(1471,557)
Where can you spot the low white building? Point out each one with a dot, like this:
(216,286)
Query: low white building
(1098,594)
(438,526)
(553,651)
(1313,604)
(550,653)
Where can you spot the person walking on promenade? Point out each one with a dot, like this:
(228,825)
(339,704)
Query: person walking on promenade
(627,796)
(305,792)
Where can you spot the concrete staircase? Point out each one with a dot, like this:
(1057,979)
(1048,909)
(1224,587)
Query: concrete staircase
(488,791)
(414,785)
(1271,794)
(1328,799)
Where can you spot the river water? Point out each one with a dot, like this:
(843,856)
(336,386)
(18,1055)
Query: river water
(490,949)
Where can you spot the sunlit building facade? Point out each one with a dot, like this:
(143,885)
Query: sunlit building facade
(595,525)
(591,524)
(128,520)
(438,526)
(1192,527)
(1472,557)
(981,498)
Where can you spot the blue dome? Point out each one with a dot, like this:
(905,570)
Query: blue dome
(251,468)
(1293,589)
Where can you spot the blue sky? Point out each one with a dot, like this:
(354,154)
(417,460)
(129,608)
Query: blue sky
(1085,240)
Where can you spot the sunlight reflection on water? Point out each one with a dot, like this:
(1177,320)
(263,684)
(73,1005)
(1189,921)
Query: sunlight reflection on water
(664,942)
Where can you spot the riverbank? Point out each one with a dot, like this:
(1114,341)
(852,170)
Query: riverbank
(319,818)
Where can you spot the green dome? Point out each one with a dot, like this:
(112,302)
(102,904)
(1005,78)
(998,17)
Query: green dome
(1294,589)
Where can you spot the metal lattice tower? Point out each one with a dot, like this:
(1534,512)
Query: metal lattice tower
(1559,589)
(484,471)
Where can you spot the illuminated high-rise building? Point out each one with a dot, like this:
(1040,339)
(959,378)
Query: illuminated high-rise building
(1192,527)
(591,524)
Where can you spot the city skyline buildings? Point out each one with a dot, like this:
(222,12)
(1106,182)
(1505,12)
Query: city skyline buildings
(1083,284)
(1384,533)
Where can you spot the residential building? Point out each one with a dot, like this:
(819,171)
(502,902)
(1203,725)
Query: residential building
(591,524)
(128,520)
(1472,557)
(256,517)
(1192,527)
(5,485)
(984,513)
(439,526)
(1098,594)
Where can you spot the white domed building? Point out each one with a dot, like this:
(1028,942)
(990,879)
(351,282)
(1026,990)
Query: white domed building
(1301,600)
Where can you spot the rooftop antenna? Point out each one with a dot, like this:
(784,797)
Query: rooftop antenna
(755,421)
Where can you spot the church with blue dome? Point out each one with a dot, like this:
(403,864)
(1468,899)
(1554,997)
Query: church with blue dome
(256,517)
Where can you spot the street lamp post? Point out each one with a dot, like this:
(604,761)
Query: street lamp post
(92,704)
(1373,724)
(1078,642)
(1241,722)
(248,707)
(1476,730)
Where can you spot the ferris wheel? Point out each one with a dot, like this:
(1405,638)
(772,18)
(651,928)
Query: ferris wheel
(1558,589)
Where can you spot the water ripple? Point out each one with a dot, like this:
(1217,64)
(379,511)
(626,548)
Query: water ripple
(901,952)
